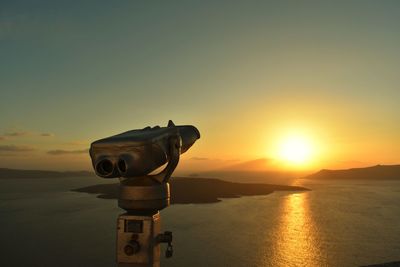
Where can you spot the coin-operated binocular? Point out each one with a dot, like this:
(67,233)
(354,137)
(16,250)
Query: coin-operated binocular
(133,156)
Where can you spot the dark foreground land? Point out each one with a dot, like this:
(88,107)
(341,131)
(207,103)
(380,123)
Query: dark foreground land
(198,190)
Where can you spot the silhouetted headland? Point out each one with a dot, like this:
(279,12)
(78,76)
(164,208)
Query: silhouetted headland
(379,172)
(388,264)
(198,190)
(6,173)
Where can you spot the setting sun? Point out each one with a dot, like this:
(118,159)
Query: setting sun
(295,150)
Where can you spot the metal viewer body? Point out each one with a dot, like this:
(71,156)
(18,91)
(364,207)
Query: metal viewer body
(132,156)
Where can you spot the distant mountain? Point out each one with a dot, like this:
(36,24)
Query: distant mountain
(34,174)
(257,165)
(262,170)
(379,172)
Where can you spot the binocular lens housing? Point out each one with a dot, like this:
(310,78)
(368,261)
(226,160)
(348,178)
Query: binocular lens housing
(122,166)
(105,167)
(138,152)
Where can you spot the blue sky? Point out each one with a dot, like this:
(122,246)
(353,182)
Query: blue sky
(241,71)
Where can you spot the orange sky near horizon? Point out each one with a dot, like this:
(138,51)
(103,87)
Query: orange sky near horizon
(247,75)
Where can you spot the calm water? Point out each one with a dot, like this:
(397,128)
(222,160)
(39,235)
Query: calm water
(335,224)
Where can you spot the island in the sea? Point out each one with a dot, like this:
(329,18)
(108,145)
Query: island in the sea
(198,190)
(378,172)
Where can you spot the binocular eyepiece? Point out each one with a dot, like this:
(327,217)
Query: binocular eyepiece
(139,152)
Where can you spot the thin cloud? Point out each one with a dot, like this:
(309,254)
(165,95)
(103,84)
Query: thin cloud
(2,138)
(15,148)
(26,133)
(47,134)
(16,134)
(199,158)
(58,152)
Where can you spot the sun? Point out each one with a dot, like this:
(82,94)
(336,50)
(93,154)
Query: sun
(295,149)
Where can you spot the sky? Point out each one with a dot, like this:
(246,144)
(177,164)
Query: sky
(245,73)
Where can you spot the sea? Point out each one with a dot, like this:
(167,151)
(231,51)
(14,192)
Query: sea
(337,223)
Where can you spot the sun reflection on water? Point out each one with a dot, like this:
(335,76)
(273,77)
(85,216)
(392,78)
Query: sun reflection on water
(296,239)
